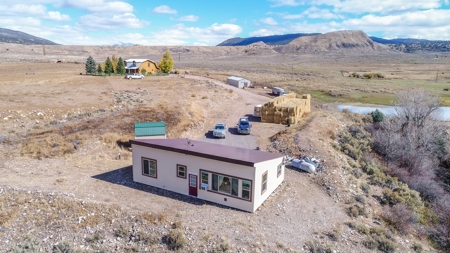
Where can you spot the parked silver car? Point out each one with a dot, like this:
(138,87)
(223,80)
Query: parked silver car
(220,130)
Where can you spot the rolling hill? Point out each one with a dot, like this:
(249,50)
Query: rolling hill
(340,41)
(16,37)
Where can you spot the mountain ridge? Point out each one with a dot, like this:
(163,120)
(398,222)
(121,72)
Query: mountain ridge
(17,37)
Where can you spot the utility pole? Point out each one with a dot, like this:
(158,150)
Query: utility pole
(43,47)
(178,56)
(437,73)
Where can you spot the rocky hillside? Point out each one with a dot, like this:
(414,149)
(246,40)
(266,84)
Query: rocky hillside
(16,37)
(269,40)
(336,42)
(429,46)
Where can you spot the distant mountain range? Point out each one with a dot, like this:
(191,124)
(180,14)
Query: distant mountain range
(269,40)
(16,37)
(406,45)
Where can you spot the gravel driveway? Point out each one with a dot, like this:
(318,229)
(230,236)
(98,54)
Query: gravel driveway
(242,109)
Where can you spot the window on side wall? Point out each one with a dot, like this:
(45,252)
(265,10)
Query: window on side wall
(149,167)
(205,181)
(279,169)
(264,182)
(181,171)
(246,186)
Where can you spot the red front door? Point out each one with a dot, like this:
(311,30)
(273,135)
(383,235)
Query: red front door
(193,185)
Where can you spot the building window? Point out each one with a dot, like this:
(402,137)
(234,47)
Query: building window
(264,182)
(149,64)
(181,171)
(246,186)
(149,167)
(279,170)
(227,185)
(204,180)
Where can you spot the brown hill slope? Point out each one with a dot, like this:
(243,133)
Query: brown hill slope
(337,42)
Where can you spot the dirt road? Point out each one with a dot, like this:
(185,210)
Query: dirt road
(260,132)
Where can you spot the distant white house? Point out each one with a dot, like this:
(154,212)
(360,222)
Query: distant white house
(239,82)
(231,176)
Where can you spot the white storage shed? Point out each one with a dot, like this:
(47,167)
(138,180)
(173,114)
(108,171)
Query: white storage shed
(239,82)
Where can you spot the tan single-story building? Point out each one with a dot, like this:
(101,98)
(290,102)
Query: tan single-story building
(236,177)
(137,65)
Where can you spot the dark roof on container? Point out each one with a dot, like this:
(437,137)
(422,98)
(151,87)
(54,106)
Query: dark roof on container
(149,128)
(230,154)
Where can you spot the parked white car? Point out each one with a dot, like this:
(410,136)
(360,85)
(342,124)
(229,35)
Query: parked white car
(134,76)
(220,130)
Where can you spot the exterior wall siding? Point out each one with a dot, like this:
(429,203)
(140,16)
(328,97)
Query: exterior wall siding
(152,69)
(167,178)
(272,180)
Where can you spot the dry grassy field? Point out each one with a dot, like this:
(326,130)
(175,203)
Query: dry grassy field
(65,166)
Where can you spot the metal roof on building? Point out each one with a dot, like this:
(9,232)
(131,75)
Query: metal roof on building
(130,65)
(230,154)
(236,78)
(149,128)
(137,60)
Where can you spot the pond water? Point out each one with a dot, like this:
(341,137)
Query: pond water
(443,113)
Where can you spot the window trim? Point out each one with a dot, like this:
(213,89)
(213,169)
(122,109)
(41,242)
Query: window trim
(280,171)
(229,195)
(249,190)
(262,182)
(156,167)
(185,170)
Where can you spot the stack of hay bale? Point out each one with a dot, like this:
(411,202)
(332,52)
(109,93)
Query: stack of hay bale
(287,109)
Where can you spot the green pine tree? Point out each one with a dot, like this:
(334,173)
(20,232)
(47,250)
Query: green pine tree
(99,69)
(120,67)
(377,116)
(166,63)
(108,67)
(90,66)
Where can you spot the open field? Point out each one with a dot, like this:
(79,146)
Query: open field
(65,166)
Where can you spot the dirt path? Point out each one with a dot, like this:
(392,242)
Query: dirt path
(260,132)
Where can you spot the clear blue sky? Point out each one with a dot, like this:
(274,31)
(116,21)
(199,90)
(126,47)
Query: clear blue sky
(202,22)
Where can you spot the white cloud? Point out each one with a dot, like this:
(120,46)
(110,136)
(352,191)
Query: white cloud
(385,6)
(164,9)
(285,2)
(56,16)
(212,35)
(261,33)
(94,22)
(189,18)
(317,13)
(21,22)
(22,9)
(269,21)
(99,6)
(293,16)
(429,18)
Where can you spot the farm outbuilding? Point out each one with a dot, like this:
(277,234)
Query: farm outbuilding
(239,82)
(150,130)
(231,176)
(137,65)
